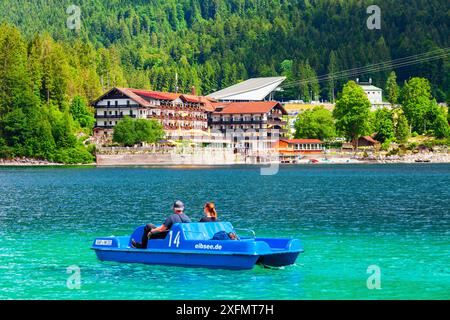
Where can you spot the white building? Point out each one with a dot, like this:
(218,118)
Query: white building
(374,94)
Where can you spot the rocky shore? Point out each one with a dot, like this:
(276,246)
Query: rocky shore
(132,159)
(417,158)
(27,162)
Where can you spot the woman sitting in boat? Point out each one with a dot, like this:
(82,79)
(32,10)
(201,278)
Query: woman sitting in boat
(210,213)
(151,231)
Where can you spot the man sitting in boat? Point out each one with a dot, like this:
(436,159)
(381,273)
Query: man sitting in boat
(151,230)
(210,213)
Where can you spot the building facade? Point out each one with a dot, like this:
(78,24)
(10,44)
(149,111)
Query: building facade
(247,127)
(250,125)
(174,111)
(374,94)
(293,150)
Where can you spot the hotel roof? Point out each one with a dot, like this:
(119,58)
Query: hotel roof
(259,107)
(302,141)
(370,139)
(169,96)
(370,87)
(132,95)
(139,96)
(255,89)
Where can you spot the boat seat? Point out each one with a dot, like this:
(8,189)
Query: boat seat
(204,230)
(137,235)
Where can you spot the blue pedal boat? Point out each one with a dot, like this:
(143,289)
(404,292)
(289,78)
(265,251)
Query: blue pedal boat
(190,245)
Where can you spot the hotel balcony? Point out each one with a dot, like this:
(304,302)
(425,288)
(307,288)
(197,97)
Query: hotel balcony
(119,106)
(263,131)
(276,122)
(180,118)
(103,126)
(238,122)
(113,116)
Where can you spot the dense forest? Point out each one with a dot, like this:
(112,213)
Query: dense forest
(213,44)
(50,70)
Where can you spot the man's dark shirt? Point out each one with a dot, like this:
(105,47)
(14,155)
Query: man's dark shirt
(176,218)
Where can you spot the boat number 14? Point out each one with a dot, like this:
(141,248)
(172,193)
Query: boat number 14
(176,240)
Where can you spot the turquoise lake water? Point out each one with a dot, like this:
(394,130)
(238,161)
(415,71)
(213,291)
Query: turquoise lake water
(396,217)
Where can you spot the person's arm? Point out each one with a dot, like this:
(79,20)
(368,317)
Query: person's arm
(159,229)
(165,226)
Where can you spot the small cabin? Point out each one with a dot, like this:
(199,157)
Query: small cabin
(292,150)
(368,142)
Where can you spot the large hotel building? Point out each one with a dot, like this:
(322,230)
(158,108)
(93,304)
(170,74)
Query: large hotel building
(174,111)
(247,125)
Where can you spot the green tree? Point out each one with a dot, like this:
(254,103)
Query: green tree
(63,129)
(352,112)
(15,81)
(80,112)
(402,129)
(308,82)
(392,88)
(416,100)
(383,125)
(129,132)
(437,121)
(332,69)
(150,131)
(287,70)
(317,123)
(124,132)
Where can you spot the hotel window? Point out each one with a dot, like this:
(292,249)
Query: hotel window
(128,103)
(117,103)
(131,112)
(109,104)
(105,113)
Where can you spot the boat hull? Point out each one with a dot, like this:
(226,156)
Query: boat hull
(278,259)
(191,245)
(218,261)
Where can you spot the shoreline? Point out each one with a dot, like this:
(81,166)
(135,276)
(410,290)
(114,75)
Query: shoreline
(424,158)
(38,163)
(212,166)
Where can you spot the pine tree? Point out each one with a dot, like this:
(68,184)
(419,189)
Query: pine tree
(392,88)
(402,129)
(15,81)
(332,69)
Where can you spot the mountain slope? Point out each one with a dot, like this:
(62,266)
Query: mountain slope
(212,44)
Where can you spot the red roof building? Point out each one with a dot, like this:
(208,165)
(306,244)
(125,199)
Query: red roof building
(292,150)
(175,111)
(259,107)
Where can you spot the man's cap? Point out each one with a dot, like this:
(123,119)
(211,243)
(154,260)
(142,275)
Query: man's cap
(178,205)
